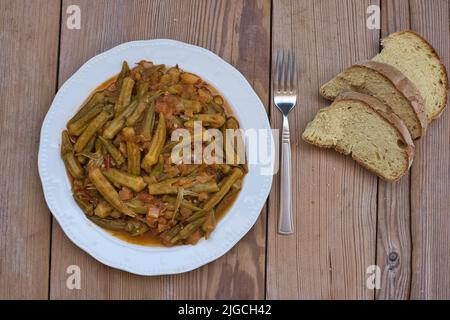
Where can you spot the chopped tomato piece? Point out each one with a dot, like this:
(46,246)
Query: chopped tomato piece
(144,197)
(125,194)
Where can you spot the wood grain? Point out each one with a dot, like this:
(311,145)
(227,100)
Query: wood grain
(238,31)
(29,52)
(335,200)
(345,218)
(430,180)
(393,218)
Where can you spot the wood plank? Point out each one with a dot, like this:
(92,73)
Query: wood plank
(235,30)
(393,225)
(430,181)
(29,52)
(335,200)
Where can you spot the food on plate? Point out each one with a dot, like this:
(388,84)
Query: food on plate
(386,83)
(117,150)
(361,126)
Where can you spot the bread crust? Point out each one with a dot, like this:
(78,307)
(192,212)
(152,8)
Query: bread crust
(382,110)
(404,86)
(322,92)
(401,83)
(435,54)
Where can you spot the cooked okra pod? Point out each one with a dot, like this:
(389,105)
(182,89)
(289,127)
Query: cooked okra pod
(108,192)
(204,187)
(188,230)
(184,204)
(124,72)
(142,89)
(135,183)
(210,120)
(71,163)
(77,127)
(189,78)
(88,149)
(236,174)
(110,224)
(232,123)
(192,105)
(158,168)
(171,233)
(90,131)
(87,207)
(214,106)
(210,224)
(125,95)
(136,228)
(117,124)
(231,146)
(113,151)
(137,206)
(143,102)
(167,187)
(162,188)
(97,98)
(169,146)
(156,145)
(66,145)
(149,120)
(134,158)
(226,202)
(103,209)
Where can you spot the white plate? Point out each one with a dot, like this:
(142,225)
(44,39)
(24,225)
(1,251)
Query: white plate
(97,242)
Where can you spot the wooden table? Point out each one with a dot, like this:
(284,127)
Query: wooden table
(346,218)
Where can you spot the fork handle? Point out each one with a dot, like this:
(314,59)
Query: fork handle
(285,223)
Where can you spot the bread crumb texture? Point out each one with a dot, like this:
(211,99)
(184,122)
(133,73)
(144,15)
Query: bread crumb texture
(413,56)
(368,81)
(353,128)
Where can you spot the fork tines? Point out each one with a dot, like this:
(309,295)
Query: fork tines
(285,72)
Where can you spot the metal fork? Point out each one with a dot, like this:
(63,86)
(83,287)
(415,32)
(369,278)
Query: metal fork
(285,98)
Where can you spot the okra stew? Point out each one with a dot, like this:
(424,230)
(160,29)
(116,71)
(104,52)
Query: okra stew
(117,152)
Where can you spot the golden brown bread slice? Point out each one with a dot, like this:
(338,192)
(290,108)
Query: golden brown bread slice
(361,126)
(417,60)
(387,84)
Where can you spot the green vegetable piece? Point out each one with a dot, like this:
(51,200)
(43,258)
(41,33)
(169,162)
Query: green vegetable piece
(135,183)
(97,98)
(86,206)
(156,145)
(108,192)
(77,127)
(110,224)
(117,124)
(90,131)
(134,158)
(143,102)
(113,151)
(125,95)
(103,209)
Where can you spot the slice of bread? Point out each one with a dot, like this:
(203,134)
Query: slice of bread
(361,126)
(417,60)
(387,84)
